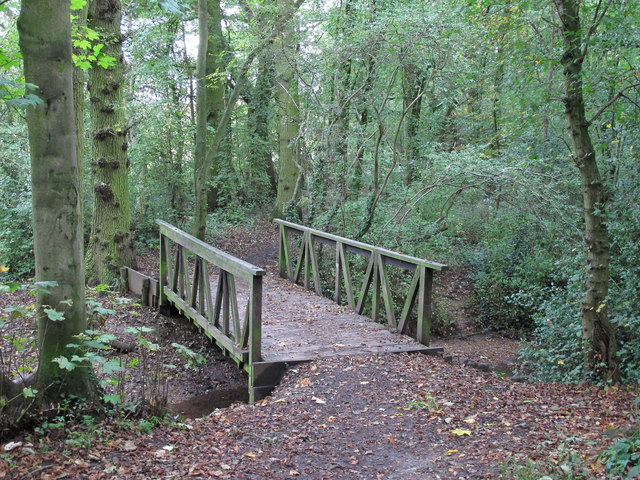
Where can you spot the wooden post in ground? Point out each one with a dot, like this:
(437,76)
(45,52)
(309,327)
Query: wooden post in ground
(423,335)
(163,277)
(255,333)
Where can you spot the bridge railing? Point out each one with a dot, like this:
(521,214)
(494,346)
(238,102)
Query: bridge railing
(304,266)
(185,283)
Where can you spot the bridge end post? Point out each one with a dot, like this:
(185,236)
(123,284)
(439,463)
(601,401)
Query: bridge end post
(255,337)
(423,334)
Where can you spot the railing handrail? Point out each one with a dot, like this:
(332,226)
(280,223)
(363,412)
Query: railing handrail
(217,257)
(194,299)
(408,259)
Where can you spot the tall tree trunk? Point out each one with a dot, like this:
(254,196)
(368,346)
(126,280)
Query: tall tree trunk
(289,115)
(598,334)
(413,83)
(262,180)
(202,166)
(57,222)
(79,84)
(110,245)
(216,88)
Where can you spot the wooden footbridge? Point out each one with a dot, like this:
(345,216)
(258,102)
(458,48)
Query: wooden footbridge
(266,323)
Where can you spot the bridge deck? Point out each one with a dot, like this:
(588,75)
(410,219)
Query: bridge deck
(298,325)
(266,323)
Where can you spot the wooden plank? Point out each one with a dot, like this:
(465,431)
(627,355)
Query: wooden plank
(314,265)
(346,271)
(307,246)
(245,326)
(423,334)
(386,291)
(221,339)
(364,246)
(284,255)
(164,271)
(375,291)
(237,332)
(255,320)
(218,306)
(337,288)
(175,271)
(209,299)
(409,301)
(217,257)
(365,285)
(224,278)
(193,297)
(301,254)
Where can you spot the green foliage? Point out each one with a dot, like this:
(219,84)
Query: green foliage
(623,457)
(16,236)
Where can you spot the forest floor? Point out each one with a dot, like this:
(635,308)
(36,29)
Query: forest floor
(462,416)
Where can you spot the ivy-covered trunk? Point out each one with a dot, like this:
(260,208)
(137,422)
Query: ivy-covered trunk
(209,108)
(201,165)
(261,178)
(288,113)
(110,245)
(598,333)
(57,226)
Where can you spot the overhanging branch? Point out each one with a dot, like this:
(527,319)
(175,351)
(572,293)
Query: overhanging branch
(611,101)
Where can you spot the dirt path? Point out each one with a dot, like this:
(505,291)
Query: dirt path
(365,417)
(387,417)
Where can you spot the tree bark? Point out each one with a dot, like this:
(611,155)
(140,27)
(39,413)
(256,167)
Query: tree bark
(598,333)
(111,244)
(289,115)
(216,89)
(44,27)
(79,84)
(201,166)
(413,83)
(262,179)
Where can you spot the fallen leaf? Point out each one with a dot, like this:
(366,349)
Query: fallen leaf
(459,432)
(250,455)
(451,452)
(294,473)
(12,446)
(318,400)
(129,446)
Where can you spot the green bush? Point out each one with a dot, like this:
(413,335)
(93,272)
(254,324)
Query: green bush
(16,235)
(511,268)
(623,457)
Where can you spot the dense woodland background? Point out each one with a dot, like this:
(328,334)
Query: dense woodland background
(433,128)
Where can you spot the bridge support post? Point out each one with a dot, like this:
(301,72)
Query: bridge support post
(424,306)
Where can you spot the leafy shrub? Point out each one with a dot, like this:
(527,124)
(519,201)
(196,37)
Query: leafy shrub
(623,457)
(16,235)
(511,270)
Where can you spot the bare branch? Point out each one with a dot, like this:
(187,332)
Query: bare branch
(611,101)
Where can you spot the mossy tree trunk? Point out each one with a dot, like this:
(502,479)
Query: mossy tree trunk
(216,89)
(79,86)
(209,108)
(110,245)
(262,178)
(45,42)
(598,333)
(413,83)
(288,114)
(201,165)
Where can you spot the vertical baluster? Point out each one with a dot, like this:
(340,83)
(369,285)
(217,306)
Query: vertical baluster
(424,306)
